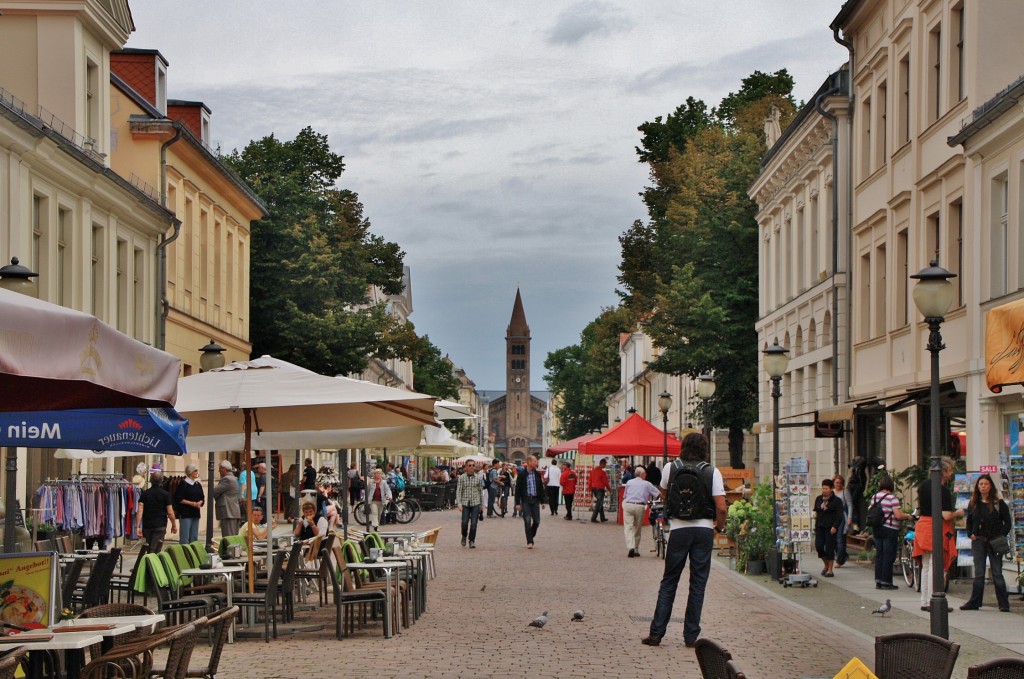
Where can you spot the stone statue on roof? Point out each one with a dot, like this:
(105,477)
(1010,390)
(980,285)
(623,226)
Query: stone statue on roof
(772,128)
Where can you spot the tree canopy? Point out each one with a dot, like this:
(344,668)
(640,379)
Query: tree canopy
(314,260)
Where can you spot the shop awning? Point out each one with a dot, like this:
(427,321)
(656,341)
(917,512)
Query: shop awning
(844,412)
(1004,345)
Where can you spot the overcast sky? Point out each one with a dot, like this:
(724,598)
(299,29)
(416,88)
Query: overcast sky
(493,141)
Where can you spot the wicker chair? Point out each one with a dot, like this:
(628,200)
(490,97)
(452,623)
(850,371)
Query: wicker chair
(911,655)
(712,657)
(733,671)
(136,659)
(219,623)
(182,643)
(1000,668)
(10,663)
(116,610)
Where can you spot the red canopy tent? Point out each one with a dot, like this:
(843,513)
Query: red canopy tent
(571,444)
(634,436)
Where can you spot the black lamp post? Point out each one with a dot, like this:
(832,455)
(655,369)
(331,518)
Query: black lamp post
(705,390)
(776,360)
(211,359)
(664,403)
(16,278)
(933,295)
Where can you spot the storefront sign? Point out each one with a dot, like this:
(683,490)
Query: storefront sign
(28,589)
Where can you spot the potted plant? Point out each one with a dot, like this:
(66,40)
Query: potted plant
(749,524)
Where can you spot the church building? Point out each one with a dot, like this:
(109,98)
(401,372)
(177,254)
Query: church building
(517,416)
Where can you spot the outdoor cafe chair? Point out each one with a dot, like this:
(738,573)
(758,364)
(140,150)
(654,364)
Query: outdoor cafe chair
(1000,668)
(353,552)
(97,587)
(122,582)
(136,659)
(310,569)
(265,601)
(732,670)
(347,594)
(72,572)
(913,655)
(152,578)
(11,661)
(287,590)
(712,658)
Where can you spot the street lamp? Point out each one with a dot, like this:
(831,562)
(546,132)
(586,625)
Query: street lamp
(212,357)
(776,360)
(705,390)
(664,403)
(933,295)
(16,278)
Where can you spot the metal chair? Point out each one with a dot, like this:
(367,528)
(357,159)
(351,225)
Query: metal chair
(169,603)
(912,655)
(123,582)
(712,658)
(1000,668)
(72,573)
(97,587)
(346,593)
(267,601)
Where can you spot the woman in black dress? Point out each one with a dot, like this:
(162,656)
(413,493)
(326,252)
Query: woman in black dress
(828,514)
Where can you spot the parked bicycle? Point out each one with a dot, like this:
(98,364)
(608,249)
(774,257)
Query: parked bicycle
(658,529)
(403,510)
(909,566)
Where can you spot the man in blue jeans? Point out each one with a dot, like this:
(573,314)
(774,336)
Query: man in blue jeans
(468,498)
(529,498)
(689,539)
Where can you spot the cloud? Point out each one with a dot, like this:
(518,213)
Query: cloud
(587,19)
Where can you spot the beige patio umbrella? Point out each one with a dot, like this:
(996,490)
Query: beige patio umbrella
(272,404)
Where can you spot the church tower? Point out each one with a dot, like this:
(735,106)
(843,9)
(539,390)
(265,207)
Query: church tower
(517,380)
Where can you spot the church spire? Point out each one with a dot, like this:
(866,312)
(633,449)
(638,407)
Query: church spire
(517,327)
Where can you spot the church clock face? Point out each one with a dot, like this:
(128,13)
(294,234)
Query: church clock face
(518,380)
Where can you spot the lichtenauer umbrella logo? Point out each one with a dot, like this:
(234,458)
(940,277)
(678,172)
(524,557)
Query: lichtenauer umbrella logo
(129,424)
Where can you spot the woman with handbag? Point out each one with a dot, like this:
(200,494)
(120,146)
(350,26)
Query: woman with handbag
(988,523)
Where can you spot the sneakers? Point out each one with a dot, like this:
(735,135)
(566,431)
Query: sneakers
(472,545)
(969,607)
(632,553)
(651,640)
(690,643)
(463,540)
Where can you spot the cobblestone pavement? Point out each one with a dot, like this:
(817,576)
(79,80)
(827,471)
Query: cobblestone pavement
(470,630)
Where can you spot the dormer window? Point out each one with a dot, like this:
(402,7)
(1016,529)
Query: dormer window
(161,86)
(205,124)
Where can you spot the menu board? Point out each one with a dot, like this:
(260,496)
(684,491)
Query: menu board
(28,589)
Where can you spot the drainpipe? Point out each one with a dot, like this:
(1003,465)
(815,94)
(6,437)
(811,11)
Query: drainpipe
(835,89)
(161,248)
(849,213)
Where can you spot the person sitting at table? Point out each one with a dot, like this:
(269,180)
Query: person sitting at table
(260,530)
(311,524)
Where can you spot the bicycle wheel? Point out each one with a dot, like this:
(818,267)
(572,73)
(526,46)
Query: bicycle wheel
(907,563)
(404,511)
(360,513)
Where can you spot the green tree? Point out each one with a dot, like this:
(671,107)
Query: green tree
(432,372)
(583,375)
(314,260)
(691,272)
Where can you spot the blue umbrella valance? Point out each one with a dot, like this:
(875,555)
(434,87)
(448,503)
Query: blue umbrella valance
(141,430)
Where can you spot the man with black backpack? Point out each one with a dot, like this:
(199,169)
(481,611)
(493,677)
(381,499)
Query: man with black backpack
(694,495)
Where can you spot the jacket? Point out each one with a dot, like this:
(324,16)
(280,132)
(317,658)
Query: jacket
(828,515)
(225,498)
(385,491)
(568,481)
(985,522)
(599,479)
(521,486)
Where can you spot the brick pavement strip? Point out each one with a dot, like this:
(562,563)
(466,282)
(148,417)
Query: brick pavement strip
(469,633)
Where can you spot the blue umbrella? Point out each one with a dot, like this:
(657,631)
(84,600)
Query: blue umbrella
(141,430)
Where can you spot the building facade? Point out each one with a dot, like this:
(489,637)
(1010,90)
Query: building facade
(392,372)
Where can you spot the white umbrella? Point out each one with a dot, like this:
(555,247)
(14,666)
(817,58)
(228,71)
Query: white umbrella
(475,458)
(269,403)
(452,410)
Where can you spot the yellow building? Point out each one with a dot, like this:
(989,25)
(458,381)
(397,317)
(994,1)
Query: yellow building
(93,237)
(164,143)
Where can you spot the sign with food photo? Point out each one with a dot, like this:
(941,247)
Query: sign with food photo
(27,589)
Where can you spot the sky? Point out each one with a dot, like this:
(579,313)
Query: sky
(493,141)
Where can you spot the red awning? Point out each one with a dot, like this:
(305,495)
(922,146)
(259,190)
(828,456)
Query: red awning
(635,436)
(571,444)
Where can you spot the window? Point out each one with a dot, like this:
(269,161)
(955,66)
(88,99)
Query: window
(188,233)
(1000,235)
(955,246)
(518,350)
(204,255)
(92,101)
(40,212)
(96,275)
(932,235)
(801,259)
(218,262)
(903,133)
(866,147)
(880,292)
(934,73)
(902,278)
(122,286)
(518,364)
(956,66)
(63,259)
(864,298)
(540,428)
(881,101)
(161,87)
(815,226)
(139,294)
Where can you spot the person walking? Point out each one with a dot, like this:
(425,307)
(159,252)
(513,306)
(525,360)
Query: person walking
(568,488)
(225,500)
(530,498)
(468,497)
(888,536)
(690,539)
(505,481)
(923,530)
(493,487)
(553,483)
(599,485)
(828,515)
(309,475)
(988,517)
(261,486)
(843,493)
(155,510)
(288,481)
(189,497)
(637,493)
(378,495)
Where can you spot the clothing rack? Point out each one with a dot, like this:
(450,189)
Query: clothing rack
(93,504)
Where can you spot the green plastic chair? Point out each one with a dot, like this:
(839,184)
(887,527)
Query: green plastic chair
(199,549)
(181,561)
(226,542)
(149,562)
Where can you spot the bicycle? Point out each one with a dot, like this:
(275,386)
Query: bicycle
(657,520)
(396,511)
(910,566)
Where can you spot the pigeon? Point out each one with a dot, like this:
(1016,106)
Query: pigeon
(883,609)
(577,616)
(483,588)
(540,621)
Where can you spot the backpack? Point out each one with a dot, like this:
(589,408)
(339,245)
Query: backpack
(689,492)
(875,517)
(399,482)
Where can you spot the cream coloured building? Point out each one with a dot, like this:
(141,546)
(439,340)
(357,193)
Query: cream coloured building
(92,235)
(801,197)
(918,71)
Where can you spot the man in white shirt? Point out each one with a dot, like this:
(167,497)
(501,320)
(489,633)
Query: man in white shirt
(553,483)
(690,540)
(637,492)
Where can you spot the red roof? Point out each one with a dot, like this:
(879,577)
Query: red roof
(571,444)
(635,436)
